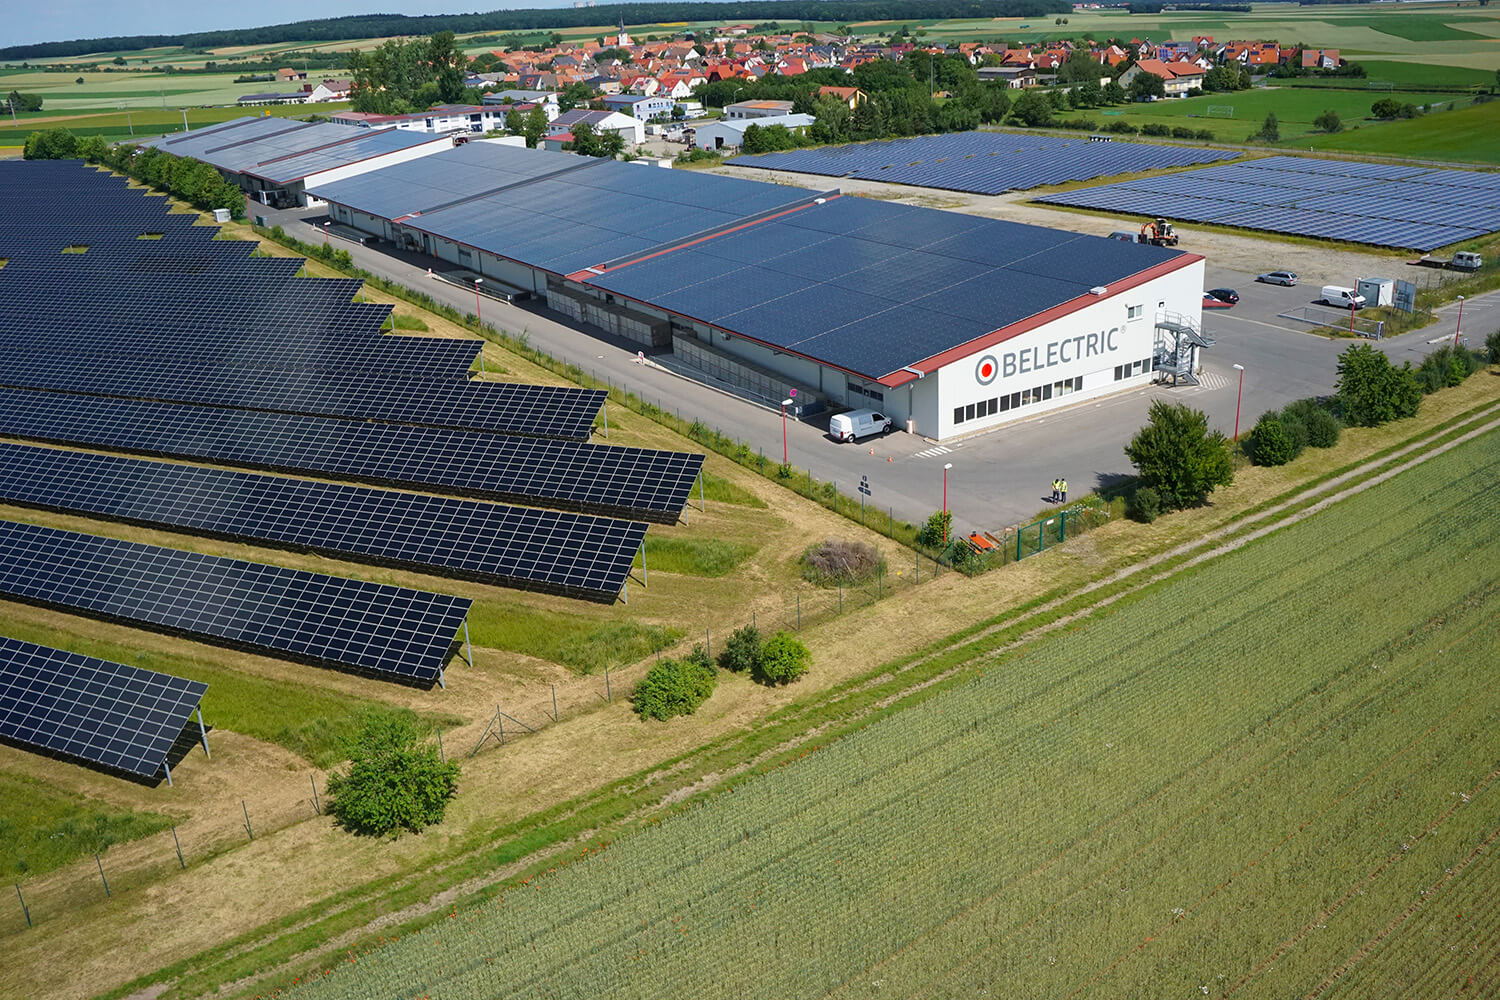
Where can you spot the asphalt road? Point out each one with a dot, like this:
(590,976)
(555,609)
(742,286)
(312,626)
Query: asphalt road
(998,478)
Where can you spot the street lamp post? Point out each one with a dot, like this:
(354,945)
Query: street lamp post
(325,232)
(1238,396)
(477,313)
(946,467)
(785,455)
(1460,325)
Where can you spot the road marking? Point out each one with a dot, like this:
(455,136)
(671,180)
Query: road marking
(1212,380)
(933,452)
(1273,326)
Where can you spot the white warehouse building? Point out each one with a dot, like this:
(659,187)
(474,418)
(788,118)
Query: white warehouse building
(949,323)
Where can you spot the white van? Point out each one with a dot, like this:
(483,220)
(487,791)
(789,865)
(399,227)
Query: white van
(1466,261)
(1344,298)
(856,424)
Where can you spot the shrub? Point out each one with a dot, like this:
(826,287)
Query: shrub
(1328,121)
(1155,129)
(1322,428)
(1204,133)
(742,652)
(938,529)
(1120,128)
(1145,504)
(1270,443)
(1447,366)
(783,659)
(1178,132)
(1492,345)
(1179,457)
(395,781)
(837,561)
(1372,391)
(675,687)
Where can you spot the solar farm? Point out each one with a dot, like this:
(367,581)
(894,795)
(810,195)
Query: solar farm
(1388,205)
(984,162)
(125,327)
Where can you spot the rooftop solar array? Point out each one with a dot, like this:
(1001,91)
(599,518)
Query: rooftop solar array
(281,150)
(1390,205)
(628,482)
(560,220)
(873,287)
(368,627)
(983,162)
(104,713)
(497,407)
(576,555)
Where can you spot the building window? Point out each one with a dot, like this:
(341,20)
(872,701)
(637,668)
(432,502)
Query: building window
(864,390)
(1134,312)
(1001,404)
(464,256)
(1132,369)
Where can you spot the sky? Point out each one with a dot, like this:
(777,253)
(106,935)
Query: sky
(63,20)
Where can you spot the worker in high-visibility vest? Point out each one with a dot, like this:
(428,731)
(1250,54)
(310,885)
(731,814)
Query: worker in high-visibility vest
(1064,488)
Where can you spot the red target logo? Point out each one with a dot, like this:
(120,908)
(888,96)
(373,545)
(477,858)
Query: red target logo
(986,370)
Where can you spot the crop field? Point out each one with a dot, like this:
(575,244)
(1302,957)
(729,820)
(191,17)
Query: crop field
(1274,774)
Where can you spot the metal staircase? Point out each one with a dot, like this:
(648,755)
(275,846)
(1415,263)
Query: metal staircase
(1178,340)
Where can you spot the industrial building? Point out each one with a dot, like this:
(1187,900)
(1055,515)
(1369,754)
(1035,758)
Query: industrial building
(275,160)
(949,323)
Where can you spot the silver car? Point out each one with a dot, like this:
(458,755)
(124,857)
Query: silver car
(1288,278)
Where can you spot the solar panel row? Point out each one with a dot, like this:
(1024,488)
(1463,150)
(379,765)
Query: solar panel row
(576,555)
(390,631)
(624,482)
(1391,205)
(496,407)
(94,710)
(983,162)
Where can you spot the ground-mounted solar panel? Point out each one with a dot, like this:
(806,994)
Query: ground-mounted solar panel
(118,717)
(621,482)
(562,412)
(576,555)
(1379,204)
(390,632)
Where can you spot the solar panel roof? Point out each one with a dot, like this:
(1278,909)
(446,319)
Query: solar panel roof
(120,717)
(629,482)
(984,162)
(281,150)
(577,555)
(375,628)
(873,287)
(1382,204)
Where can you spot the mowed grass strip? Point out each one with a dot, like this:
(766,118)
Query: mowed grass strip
(1163,800)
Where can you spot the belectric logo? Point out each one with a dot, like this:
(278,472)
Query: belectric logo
(986,370)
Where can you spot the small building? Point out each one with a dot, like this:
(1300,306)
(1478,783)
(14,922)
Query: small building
(730,133)
(632,130)
(757,109)
(852,96)
(1014,77)
(639,106)
(289,75)
(1177,78)
(249,100)
(330,90)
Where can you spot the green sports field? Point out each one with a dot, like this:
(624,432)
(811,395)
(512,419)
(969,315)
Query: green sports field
(1274,775)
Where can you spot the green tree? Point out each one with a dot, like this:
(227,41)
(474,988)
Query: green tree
(1079,68)
(574,95)
(534,126)
(514,123)
(585,140)
(1328,121)
(1114,93)
(1270,129)
(1372,391)
(783,660)
(675,687)
(1089,95)
(741,653)
(935,532)
(93,148)
(1269,442)
(1386,109)
(18,101)
(611,144)
(52,144)
(395,780)
(1032,108)
(1145,85)
(1176,455)
(448,63)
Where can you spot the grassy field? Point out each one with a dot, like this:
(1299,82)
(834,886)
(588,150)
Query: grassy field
(42,828)
(1471,134)
(1260,776)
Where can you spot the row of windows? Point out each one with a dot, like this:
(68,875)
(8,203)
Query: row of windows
(1016,400)
(864,390)
(1134,368)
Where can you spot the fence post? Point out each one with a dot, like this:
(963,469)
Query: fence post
(841,597)
(24,909)
(1062,528)
(107,893)
(708,644)
(879,582)
(178,844)
(245,809)
(442,754)
(317,806)
(917,569)
(554,703)
(607,695)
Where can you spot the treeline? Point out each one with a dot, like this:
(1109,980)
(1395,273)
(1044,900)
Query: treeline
(189,180)
(332,29)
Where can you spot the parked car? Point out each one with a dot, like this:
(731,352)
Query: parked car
(1341,297)
(1228,295)
(856,424)
(1287,278)
(1209,302)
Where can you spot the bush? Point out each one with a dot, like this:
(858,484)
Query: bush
(1492,345)
(1204,133)
(1372,391)
(742,653)
(395,781)
(1155,129)
(1328,121)
(1120,128)
(1447,366)
(1145,504)
(1270,443)
(1178,132)
(1179,457)
(1322,428)
(675,687)
(837,561)
(938,529)
(783,659)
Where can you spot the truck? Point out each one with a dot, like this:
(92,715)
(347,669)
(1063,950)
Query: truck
(1464,260)
(1158,233)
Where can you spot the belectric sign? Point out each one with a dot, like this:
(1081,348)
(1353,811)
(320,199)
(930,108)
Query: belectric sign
(1058,352)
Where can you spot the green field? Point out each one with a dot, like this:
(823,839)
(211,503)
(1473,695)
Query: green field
(117,125)
(42,828)
(1471,133)
(1273,775)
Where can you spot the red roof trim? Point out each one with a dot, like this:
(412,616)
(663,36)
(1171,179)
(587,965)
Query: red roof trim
(929,365)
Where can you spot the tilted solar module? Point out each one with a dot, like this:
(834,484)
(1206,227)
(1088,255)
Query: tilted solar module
(576,555)
(119,717)
(389,631)
(627,482)
(496,407)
